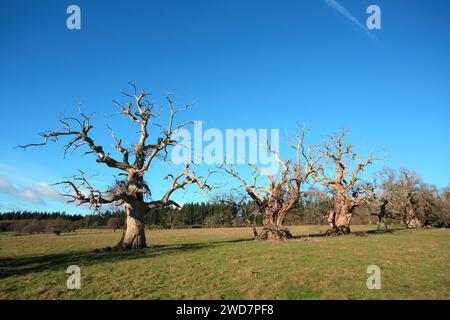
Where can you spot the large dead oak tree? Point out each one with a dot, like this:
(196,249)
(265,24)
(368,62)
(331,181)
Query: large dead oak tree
(282,191)
(131,192)
(342,180)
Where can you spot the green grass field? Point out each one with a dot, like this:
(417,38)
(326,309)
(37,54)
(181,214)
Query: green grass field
(226,264)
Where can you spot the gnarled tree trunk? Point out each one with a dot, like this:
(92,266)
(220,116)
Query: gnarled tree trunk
(330,218)
(273,231)
(413,223)
(411,220)
(134,235)
(339,219)
(382,224)
(382,217)
(273,224)
(342,220)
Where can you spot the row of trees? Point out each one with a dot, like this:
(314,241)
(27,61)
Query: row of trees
(404,198)
(395,195)
(31,226)
(93,220)
(402,193)
(39,215)
(56,226)
(28,222)
(190,214)
(333,165)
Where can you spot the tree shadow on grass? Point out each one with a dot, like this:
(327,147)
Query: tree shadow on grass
(391,231)
(60,261)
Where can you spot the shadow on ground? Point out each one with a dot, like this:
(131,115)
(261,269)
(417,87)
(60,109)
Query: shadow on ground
(60,261)
(353,233)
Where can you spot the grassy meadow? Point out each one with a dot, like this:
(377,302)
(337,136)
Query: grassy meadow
(226,263)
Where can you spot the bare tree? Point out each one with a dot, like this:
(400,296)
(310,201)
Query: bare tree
(402,189)
(413,201)
(377,204)
(442,214)
(343,181)
(381,211)
(282,192)
(134,164)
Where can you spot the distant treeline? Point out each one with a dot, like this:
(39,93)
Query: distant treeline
(190,215)
(39,215)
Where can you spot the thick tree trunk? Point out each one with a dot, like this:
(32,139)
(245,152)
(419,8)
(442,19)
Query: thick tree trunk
(255,232)
(339,220)
(382,223)
(382,217)
(413,223)
(134,235)
(411,220)
(330,218)
(273,231)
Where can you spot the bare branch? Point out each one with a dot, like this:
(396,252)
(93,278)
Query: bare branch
(180,181)
(119,147)
(94,197)
(166,140)
(79,138)
(250,189)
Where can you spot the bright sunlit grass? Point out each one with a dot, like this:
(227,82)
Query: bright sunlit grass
(225,263)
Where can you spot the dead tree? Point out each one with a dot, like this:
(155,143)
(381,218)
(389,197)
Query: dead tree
(381,213)
(342,180)
(402,189)
(378,201)
(132,191)
(282,192)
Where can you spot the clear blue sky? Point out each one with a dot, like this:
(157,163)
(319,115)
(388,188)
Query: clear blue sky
(245,64)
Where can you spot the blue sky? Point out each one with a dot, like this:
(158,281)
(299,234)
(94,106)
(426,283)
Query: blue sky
(245,64)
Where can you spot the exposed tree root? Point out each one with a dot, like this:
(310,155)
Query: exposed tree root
(338,231)
(136,242)
(273,233)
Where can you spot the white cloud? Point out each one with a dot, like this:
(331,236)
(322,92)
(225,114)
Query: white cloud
(46,191)
(36,194)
